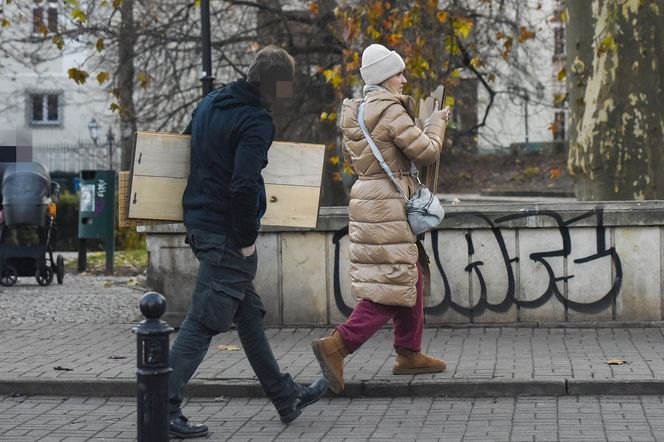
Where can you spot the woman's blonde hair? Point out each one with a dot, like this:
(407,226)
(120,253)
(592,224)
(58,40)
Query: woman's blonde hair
(385,84)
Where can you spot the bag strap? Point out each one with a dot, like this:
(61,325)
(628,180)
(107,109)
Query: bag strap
(413,170)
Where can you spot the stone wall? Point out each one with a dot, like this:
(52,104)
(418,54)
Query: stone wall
(490,264)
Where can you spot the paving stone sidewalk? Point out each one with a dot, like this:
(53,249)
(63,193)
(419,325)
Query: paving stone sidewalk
(76,339)
(99,359)
(566,418)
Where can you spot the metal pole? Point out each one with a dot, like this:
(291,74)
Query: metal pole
(206,79)
(82,255)
(152,370)
(526,98)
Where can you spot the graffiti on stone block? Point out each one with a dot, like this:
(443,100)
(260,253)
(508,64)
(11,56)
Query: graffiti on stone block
(545,256)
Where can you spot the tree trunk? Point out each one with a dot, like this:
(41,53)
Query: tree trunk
(125,82)
(616,93)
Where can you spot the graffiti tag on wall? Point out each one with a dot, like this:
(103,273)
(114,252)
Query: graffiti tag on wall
(545,257)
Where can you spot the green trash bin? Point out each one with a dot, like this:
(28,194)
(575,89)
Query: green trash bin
(96,215)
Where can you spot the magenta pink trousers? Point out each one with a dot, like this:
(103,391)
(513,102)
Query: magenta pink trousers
(368,317)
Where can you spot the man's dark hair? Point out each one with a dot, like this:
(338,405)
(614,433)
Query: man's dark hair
(271,63)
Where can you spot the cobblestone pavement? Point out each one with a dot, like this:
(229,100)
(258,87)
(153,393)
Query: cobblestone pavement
(107,352)
(567,418)
(80,299)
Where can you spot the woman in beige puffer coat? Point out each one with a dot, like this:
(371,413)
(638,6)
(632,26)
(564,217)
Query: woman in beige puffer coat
(385,273)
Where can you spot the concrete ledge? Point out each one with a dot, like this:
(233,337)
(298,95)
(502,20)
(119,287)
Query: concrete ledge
(377,388)
(613,387)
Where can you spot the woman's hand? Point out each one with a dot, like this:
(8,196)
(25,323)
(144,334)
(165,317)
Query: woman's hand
(443,114)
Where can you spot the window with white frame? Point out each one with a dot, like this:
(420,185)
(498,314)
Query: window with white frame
(44,108)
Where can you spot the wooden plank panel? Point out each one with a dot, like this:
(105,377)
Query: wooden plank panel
(291,206)
(123,198)
(161,167)
(294,164)
(162,155)
(156,198)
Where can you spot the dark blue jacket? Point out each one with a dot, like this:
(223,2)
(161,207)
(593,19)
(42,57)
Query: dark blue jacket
(231,132)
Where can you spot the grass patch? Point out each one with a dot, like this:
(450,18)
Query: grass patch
(125,262)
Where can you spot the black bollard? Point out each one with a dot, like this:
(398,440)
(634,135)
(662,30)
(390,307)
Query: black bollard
(152,370)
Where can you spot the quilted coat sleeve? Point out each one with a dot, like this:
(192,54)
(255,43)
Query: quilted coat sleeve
(422,147)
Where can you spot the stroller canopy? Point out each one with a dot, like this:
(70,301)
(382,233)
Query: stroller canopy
(26,193)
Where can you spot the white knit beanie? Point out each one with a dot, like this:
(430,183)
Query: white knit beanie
(379,64)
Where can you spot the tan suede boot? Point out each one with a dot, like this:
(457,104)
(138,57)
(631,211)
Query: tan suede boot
(330,352)
(416,362)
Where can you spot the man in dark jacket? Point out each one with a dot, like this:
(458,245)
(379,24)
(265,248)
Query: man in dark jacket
(223,203)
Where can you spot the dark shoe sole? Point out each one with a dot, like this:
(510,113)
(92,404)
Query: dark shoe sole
(188,435)
(417,370)
(332,381)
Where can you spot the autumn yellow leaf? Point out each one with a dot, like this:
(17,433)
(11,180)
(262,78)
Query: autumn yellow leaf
(348,170)
(114,107)
(74,3)
(449,101)
(58,41)
(393,39)
(99,45)
(332,116)
(491,77)
(5,23)
(616,362)
(314,7)
(336,176)
(442,16)
(323,116)
(143,79)
(476,62)
(78,75)
(224,347)
(102,77)
(562,74)
(334,160)
(79,15)
(462,26)
(43,30)
(118,3)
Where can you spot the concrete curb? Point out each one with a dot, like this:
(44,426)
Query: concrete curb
(374,388)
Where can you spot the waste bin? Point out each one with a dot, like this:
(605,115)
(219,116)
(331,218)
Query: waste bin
(96,216)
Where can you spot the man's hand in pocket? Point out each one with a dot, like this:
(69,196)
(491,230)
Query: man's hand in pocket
(248,251)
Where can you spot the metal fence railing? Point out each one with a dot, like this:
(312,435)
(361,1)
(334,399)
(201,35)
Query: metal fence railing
(72,158)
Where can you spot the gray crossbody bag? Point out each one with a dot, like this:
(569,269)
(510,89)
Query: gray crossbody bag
(423,209)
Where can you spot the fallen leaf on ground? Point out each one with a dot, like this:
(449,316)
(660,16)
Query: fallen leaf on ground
(616,362)
(3,306)
(132,281)
(117,357)
(228,347)
(61,368)
(220,399)
(108,284)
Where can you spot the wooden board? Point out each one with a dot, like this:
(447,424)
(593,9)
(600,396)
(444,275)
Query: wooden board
(430,174)
(160,168)
(290,205)
(123,197)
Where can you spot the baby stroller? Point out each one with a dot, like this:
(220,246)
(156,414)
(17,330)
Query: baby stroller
(29,202)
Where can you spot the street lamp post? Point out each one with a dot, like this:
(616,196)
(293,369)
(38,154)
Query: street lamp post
(93,129)
(206,79)
(110,138)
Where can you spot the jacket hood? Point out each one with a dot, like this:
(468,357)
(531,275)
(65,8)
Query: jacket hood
(239,93)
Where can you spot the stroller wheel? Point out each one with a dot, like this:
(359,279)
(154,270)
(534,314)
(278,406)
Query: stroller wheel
(9,276)
(44,276)
(59,269)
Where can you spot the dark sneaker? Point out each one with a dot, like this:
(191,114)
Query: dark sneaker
(182,428)
(306,396)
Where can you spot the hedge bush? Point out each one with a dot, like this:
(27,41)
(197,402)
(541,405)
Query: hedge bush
(67,229)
